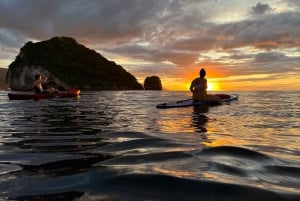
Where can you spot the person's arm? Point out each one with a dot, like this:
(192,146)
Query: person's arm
(44,79)
(205,84)
(192,86)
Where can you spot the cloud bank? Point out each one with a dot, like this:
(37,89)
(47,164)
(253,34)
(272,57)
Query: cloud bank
(167,38)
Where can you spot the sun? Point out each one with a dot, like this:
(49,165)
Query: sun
(213,86)
(210,86)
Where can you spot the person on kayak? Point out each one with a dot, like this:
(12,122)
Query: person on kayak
(38,85)
(199,86)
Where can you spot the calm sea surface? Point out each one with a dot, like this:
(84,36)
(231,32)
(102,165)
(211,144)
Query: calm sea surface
(115,145)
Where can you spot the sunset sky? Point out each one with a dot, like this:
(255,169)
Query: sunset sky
(242,44)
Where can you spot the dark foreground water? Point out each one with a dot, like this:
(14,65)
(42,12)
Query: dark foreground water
(115,145)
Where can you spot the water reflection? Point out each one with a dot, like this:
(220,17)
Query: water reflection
(199,119)
(63,149)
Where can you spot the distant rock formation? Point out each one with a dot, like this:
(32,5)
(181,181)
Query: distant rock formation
(152,83)
(3,83)
(70,65)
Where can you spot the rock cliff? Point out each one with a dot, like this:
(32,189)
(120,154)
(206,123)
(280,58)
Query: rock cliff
(69,65)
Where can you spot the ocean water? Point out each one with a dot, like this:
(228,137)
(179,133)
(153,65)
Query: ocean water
(115,145)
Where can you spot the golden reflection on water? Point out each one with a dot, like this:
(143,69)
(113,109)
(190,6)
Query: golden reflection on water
(221,142)
(175,173)
(192,119)
(234,125)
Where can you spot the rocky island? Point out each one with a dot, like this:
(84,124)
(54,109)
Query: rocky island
(69,65)
(152,83)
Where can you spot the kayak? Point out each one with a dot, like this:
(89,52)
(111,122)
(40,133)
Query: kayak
(28,96)
(190,102)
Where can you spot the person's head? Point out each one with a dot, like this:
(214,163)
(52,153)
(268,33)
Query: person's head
(202,73)
(37,76)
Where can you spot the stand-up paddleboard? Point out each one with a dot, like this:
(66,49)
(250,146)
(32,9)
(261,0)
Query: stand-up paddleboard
(190,102)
